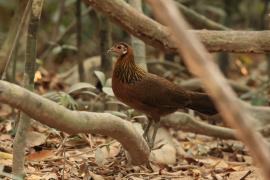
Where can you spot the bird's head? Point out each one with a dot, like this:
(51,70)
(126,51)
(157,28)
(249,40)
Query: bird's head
(119,49)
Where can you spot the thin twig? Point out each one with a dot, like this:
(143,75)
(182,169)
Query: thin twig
(18,34)
(64,165)
(79,39)
(246,175)
(86,152)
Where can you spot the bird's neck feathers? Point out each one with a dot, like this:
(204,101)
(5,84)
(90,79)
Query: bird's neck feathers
(126,70)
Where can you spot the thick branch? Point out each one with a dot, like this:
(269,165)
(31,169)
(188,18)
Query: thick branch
(56,116)
(157,35)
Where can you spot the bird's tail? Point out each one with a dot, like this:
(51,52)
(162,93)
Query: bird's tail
(202,103)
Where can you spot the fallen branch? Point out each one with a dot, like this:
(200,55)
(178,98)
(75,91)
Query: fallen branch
(157,35)
(195,83)
(73,122)
(185,122)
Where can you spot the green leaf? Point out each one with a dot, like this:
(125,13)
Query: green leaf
(101,77)
(69,47)
(116,102)
(81,86)
(117,113)
(54,95)
(62,98)
(99,157)
(108,91)
(68,102)
(57,50)
(89,93)
(259,100)
(108,82)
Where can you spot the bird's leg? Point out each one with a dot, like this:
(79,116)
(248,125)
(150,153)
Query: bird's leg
(156,126)
(146,129)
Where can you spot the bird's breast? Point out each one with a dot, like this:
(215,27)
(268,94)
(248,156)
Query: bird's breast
(120,89)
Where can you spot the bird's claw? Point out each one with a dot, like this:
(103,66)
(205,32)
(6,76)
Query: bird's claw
(149,142)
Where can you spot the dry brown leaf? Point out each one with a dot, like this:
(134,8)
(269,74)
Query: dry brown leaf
(35,138)
(5,110)
(112,150)
(222,164)
(50,176)
(95,176)
(33,177)
(7,162)
(4,155)
(240,174)
(40,155)
(100,157)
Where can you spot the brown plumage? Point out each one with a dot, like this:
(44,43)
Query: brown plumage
(153,95)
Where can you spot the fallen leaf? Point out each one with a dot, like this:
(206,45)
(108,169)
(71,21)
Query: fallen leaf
(5,110)
(35,138)
(99,157)
(166,154)
(5,155)
(95,176)
(40,155)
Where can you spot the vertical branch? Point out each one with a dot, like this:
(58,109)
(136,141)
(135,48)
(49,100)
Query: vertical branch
(263,14)
(13,36)
(14,58)
(79,40)
(223,57)
(28,79)
(137,44)
(105,34)
(61,9)
(197,60)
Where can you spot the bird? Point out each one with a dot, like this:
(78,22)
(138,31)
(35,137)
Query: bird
(151,94)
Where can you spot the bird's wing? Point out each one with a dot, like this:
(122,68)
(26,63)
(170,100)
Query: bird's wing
(158,92)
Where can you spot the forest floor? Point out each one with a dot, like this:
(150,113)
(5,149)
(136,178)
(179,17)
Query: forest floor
(52,155)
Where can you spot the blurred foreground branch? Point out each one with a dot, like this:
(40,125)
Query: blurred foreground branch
(197,60)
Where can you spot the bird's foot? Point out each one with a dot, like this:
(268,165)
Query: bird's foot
(151,145)
(148,141)
(145,136)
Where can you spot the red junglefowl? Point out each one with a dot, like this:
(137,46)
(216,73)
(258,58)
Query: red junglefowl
(153,95)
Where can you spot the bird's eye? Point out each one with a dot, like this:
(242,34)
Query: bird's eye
(118,47)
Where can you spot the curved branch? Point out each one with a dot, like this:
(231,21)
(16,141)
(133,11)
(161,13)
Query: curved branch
(185,122)
(157,35)
(56,116)
(195,83)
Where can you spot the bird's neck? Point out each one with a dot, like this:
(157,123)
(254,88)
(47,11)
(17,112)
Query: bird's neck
(126,70)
